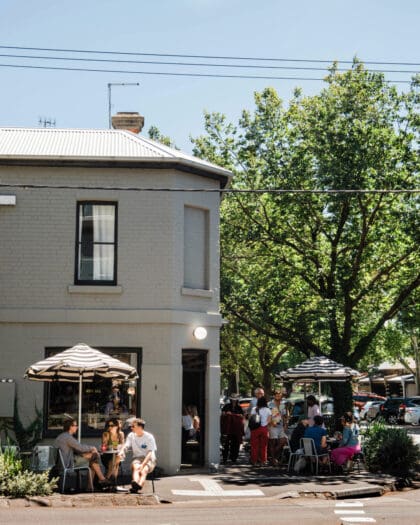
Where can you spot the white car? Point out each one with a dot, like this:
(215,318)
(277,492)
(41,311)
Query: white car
(412,414)
(370,410)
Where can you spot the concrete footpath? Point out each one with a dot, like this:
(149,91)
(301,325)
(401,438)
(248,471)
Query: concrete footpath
(234,482)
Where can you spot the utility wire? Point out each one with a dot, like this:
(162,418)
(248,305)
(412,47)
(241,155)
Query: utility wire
(207,57)
(172,74)
(210,190)
(195,64)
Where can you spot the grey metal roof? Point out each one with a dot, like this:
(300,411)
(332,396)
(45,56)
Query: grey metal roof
(112,145)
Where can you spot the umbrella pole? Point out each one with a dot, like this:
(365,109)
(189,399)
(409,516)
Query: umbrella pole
(79,430)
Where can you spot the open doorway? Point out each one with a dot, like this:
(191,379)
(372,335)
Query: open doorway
(194,363)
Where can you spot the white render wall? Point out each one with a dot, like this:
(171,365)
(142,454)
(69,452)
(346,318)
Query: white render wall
(149,309)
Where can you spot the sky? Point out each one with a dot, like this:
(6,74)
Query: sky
(374,30)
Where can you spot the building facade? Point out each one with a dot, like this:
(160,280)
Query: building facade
(101,243)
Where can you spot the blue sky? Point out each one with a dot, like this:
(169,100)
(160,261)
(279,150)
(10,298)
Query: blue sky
(376,30)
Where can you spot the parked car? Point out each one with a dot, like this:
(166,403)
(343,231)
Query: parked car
(360,398)
(412,413)
(393,409)
(245,402)
(370,410)
(409,408)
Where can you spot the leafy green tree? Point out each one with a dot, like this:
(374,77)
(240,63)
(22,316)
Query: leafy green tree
(317,272)
(398,342)
(155,134)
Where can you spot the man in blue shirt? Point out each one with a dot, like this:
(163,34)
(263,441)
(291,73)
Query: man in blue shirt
(319,434)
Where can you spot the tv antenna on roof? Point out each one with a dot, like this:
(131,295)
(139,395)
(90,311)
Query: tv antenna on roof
(46,122)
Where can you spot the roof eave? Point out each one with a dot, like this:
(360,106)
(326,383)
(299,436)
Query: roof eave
(186,165)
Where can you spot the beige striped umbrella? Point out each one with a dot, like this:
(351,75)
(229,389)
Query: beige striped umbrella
(81,363)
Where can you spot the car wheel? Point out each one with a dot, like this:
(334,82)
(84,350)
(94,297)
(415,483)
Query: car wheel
(392,419)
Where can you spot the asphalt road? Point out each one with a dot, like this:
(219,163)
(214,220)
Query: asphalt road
(402,508)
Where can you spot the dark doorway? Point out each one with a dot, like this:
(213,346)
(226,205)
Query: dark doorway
(194,364)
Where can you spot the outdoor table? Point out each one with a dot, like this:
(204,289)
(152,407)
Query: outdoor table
(333,442)
(113,452)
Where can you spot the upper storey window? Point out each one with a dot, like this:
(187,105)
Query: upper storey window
(96,244)
(196,248)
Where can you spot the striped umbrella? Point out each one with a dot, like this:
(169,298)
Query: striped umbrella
(81,363)
(319,368)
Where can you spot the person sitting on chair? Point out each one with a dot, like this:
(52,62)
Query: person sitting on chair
(143,445)
(349,444)
(77,455)
(319,434)
(112,438)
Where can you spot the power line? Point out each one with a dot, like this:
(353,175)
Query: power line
(172,74)
(208,57)
(195,64)
(211,190)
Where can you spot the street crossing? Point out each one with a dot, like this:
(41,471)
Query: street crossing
(352,512)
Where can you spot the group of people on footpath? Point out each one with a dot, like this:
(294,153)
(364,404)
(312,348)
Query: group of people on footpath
(268,426)
(112,451)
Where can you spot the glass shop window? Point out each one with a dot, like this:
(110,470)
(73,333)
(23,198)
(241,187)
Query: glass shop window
(101,399)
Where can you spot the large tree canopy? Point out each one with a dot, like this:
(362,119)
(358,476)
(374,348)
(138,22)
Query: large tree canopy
(317,272)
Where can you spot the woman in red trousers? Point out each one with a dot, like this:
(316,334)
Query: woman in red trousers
(259,436)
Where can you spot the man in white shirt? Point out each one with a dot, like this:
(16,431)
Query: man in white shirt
(143,445)
(258,392)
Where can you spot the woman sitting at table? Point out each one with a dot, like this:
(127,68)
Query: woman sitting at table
(112,439)
(349,444)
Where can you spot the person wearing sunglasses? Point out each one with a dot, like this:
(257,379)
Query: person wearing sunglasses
(77,455)
(112,439)
(143,445)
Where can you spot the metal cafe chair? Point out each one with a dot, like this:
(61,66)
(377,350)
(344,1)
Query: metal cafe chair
(311,453)
(65,471)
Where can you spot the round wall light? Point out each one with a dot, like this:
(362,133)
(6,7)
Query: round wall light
(200,333)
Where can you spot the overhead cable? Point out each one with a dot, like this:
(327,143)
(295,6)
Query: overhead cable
(219,57)
(173,74)
(211,190)
(194,64)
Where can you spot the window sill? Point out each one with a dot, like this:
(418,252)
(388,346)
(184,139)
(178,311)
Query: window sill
(89,289)
(197,292)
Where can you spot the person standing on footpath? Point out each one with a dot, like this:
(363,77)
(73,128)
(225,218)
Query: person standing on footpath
(231,429)
(259,436)
(313,409)
(258,393)
(277,428)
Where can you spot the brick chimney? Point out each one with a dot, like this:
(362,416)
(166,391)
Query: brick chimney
(128,120)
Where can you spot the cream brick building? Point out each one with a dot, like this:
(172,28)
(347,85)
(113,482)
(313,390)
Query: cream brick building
(86,255)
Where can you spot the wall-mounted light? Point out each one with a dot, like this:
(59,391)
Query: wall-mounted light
(200,333)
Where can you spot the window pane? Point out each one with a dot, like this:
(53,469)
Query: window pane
(85,223)
(103,262)
(85,263)
(103,223)
(101,400)
(96,242)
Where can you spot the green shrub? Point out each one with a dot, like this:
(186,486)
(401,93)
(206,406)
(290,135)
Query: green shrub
(390,450)
(16,482)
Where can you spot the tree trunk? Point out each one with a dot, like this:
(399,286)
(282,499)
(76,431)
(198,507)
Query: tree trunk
(343,399)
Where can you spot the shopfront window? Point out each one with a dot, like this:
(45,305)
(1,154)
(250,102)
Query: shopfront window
(101,398)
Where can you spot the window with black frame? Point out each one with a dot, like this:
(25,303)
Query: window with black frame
(102,398)
(96,243)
